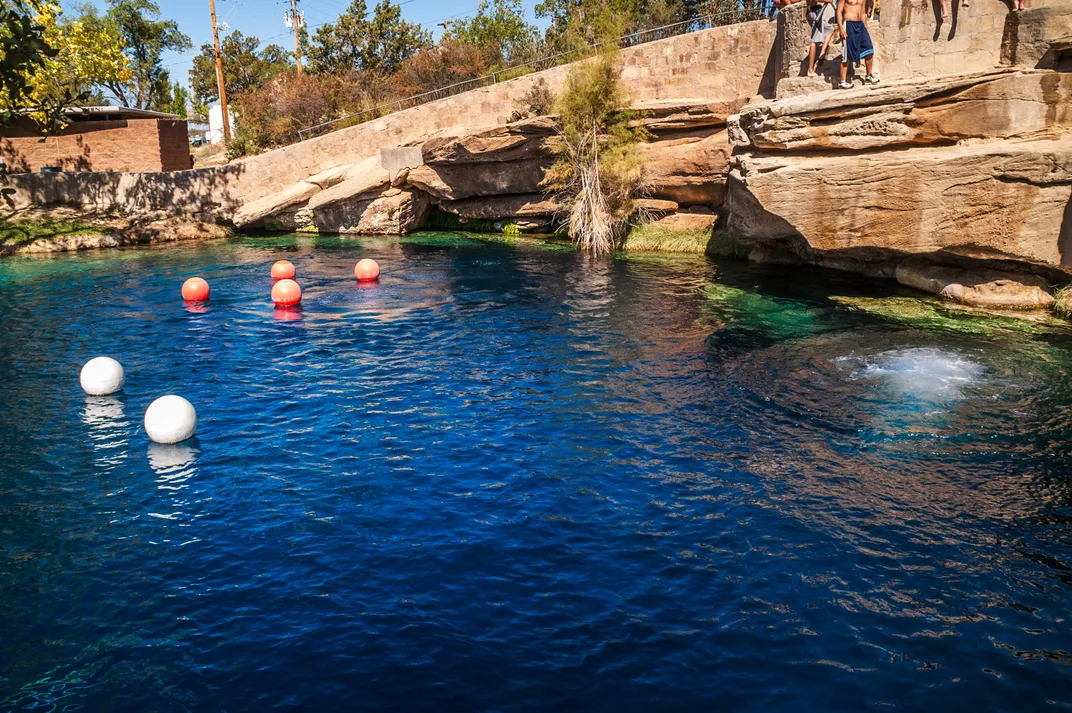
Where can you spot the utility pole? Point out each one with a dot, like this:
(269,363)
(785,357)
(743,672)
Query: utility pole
(297,24)
(219,74)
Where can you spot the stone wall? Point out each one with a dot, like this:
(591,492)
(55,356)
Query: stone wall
(120,145)
(724,64)
(912,40)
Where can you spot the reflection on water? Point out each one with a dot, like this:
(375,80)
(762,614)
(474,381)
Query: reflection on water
(287,314)
(514,478)
(171,461)
(106,428)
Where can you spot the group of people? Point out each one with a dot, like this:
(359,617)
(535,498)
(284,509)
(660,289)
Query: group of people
(850,18)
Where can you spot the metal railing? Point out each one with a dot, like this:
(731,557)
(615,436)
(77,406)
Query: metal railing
(731,17)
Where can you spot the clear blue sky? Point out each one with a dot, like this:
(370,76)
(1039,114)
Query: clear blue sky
(264,19)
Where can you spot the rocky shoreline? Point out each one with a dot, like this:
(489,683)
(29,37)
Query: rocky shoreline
(63,229)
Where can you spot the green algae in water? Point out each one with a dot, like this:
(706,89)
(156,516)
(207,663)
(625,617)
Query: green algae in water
(930,314)
(775,318)
(441,240)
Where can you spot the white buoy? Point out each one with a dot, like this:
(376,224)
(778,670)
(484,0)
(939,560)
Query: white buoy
(170,419)
(101,376)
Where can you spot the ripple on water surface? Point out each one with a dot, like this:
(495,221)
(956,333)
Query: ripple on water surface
(513,478)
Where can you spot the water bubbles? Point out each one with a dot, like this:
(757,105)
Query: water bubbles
(918,373)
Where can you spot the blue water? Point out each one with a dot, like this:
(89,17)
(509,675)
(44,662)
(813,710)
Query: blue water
(511,478)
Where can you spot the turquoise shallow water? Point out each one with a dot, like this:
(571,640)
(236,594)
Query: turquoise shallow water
(511,478)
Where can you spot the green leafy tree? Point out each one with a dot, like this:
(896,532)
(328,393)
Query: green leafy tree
(85,56)
(379,44)
(579,23)
(23,50)
(144,38)
(246,67)
(180,97)
(498,27)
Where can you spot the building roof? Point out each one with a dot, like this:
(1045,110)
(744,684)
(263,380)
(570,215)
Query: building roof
(77,113)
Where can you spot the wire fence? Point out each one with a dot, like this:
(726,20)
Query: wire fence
(731,17)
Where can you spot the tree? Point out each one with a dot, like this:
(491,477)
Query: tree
(498,27)
(575,24)
(447,64)
(354,42)
(85,56)
(246,67)
(597,170)
(180,97)
(23,50)
(144,38)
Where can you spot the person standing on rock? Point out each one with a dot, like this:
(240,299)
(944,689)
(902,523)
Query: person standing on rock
(855,39)
(822,18)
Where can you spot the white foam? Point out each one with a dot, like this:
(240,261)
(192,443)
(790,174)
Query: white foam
(923,372)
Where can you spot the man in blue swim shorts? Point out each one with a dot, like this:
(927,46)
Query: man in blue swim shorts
(856,41)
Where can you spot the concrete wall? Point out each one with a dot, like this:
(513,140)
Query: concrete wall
(119,145)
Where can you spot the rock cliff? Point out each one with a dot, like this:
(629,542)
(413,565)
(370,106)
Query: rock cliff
(954,185)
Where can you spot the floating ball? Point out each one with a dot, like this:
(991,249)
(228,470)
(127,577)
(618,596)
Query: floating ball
(170,419)
(367,269)
(283,270)
(101,376)
(286,293)
(195,290)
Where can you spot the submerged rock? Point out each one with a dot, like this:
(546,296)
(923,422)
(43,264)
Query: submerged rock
(979,287)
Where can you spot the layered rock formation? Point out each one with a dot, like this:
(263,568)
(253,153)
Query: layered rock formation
(970,171)
(495,175)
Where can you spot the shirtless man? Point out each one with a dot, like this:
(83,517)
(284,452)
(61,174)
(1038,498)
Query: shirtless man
(852,21)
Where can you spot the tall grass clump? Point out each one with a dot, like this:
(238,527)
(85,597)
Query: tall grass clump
(597,170)
(1062,302)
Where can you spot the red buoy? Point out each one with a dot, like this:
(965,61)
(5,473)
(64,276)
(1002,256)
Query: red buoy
(286,293)
(195,290)
(367,269)
(283,270)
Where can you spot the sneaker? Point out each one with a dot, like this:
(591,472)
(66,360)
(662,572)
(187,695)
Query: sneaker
(845,85)
(871,79)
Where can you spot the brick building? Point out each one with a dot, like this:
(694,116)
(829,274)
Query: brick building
(99,138)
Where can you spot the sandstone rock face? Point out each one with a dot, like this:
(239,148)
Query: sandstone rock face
(495,174)
(999,104)
(1030,35)
(660,117)
(689,168)
(654,205)
(974,167)
(526,139)
(795,86)
(526,205)
(457,182)
(118,232)
(978,287)
(686,222)
(396,212)
(1009,199)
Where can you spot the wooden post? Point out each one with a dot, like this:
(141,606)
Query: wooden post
(219,74)
(297,45)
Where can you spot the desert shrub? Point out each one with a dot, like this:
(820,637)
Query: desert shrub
(597,170)
(449,63)
(537,101)
(273,115)
(1062,305)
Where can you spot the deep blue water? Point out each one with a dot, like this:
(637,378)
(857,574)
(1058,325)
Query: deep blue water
(509,478)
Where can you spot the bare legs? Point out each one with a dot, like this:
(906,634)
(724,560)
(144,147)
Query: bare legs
(869,63)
